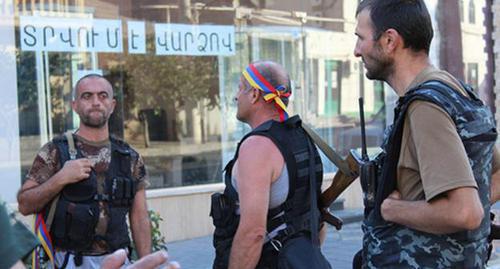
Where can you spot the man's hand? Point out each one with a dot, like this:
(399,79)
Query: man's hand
(151,261)
(34,196)
(75,170)
(386,207)
(18,265)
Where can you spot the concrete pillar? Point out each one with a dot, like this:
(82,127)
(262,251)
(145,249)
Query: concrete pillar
(450,56)
(496,50)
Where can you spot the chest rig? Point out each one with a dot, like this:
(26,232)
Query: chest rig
(383,242)
(295,212)
(78,206)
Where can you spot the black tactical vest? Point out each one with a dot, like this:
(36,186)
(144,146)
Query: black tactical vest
(292,141)
(77,211)
(389,245)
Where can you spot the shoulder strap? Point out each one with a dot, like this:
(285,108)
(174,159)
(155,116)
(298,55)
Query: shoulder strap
(313,194)
(329,152)
(72,155)
(71,144)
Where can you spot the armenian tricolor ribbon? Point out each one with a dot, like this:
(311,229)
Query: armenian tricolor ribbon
(43,235)
(256,80)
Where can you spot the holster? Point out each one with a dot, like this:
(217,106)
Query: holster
(225,220)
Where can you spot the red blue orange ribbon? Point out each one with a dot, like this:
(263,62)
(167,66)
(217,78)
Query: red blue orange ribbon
(256,80)
(43,235)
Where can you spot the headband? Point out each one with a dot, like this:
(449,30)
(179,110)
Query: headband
(256,80)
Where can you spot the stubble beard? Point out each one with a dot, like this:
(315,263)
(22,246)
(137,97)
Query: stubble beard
(381,66)
(381,69)
(94,122)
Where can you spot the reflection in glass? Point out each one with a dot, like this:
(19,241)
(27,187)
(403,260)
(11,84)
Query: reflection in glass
(179,111)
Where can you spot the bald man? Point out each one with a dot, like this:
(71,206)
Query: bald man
(267,197)
(84,184)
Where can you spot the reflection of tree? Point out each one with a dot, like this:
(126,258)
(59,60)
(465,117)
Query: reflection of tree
(170,84)
(26,83)
(60,89)
(173,79)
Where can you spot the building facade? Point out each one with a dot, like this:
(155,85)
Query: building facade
(175,66)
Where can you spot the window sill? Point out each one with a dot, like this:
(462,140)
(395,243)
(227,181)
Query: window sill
(182,191)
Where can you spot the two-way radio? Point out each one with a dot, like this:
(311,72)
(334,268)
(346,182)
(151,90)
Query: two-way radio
(367,168)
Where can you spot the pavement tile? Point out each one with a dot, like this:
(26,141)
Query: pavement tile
(339,248)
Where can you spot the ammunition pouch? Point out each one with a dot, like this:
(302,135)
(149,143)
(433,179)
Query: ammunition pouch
(121,191)
(77,228)
(225,220)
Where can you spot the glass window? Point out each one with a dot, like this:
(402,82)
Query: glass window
(472,75)
(472,12)
(175,73)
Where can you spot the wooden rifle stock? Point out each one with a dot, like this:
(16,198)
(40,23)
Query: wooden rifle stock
(340,182)
(347,173)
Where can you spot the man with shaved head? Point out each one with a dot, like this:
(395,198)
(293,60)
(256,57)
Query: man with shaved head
(267,200)
(83,185)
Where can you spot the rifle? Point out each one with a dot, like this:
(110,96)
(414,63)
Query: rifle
(348,170)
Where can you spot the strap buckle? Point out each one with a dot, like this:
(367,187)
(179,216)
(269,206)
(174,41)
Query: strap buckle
(277,245)
(72,154)
(101,197)
(71,144)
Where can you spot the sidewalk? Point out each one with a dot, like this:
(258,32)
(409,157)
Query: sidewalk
(339,248)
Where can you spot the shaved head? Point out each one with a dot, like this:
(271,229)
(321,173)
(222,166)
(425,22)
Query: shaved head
(89,77)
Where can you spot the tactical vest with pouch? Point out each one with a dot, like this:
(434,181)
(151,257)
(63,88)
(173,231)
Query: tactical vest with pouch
(77,210)
(390,245)
(294,213)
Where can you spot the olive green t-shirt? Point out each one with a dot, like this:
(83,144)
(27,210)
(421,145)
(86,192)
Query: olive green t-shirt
(433,159)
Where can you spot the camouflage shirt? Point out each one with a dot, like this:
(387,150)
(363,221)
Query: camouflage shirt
(47,163)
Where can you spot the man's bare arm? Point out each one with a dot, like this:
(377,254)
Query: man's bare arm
(459,209)
(256,168)
(33,197)
(140,224)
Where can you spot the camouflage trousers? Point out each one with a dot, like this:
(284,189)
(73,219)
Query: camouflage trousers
(395,246)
